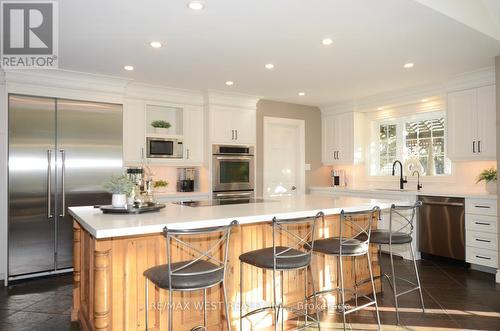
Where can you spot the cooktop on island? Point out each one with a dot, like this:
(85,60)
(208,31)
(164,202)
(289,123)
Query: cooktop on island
(220,202)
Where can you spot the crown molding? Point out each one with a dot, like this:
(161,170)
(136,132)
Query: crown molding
(220,98)
(158,93)
(472,79)
(398,98)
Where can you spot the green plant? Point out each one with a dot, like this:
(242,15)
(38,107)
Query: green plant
(160,124)
(488,175)
(160,183)
(119,185)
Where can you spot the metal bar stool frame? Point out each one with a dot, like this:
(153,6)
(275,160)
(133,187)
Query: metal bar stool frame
(353,240)
(307,243)
(407,224)
(174,235)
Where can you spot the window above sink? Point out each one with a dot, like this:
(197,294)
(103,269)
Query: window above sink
(417,140)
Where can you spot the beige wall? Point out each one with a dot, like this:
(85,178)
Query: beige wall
(318,175)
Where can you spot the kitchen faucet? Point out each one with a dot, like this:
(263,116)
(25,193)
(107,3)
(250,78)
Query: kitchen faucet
(419,186)
(402,180)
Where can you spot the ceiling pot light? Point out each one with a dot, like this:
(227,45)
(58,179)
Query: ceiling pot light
(327,41)
(196,5)
(128,68)
(380,108)
(269,66)
(156,44)
(409,65)
(425,100)
(229,83)
(301,94)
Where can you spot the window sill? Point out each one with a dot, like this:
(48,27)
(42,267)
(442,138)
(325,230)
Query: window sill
(423,179)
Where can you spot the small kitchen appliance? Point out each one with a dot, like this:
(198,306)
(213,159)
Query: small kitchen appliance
(185,179)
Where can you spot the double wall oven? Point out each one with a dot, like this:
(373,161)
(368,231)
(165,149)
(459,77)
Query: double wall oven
(233,172)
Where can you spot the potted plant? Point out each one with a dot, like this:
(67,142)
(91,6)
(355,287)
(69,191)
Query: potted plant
(120,187)
(160,185)
(161,126)
(489,176)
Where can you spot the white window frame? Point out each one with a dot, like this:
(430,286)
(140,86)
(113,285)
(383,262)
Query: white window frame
(374,159)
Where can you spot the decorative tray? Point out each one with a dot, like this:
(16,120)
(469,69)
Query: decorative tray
(131,209)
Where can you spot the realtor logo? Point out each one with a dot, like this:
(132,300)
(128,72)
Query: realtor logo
(29,34)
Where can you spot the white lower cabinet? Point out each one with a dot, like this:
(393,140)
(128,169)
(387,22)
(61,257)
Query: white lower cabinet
(481,232)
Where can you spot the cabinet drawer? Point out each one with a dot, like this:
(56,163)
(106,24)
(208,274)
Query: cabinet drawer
(481,223)
(481,256)
(482,240)
(481,206)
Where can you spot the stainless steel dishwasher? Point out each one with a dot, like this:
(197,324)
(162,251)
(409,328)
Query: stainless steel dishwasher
(442,227)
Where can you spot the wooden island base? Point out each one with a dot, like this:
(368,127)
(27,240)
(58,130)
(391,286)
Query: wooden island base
(109,289)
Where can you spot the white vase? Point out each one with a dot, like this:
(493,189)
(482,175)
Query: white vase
(491,187)
(161,130)
(119,200)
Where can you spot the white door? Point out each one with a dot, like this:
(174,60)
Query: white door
(284,157)
(486,121)
(193,135)
(462,125)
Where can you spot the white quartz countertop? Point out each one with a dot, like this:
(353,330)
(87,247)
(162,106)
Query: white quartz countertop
(183,217)
(407,192)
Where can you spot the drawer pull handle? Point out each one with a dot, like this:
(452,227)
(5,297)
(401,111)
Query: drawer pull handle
(483,240)
(483,257)
(482,223)
(484,207)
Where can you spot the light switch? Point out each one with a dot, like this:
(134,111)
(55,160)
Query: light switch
(308,166)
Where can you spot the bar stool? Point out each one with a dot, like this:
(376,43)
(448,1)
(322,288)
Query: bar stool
(296,256)
(203,271)
(398,235)
(352,227)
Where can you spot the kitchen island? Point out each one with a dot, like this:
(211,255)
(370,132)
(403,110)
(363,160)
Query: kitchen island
(112,251)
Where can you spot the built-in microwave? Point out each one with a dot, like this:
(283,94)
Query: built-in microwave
(164,148)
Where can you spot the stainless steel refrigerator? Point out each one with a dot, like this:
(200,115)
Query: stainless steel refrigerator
(60,153)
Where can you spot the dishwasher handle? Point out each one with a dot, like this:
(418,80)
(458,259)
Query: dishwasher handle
(446,204)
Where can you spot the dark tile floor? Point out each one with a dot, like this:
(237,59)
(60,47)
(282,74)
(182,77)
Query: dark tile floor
(455,299)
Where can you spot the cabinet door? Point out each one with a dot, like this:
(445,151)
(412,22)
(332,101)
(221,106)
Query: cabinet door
(345,146)
(329,132)
(221,125)
(193,134)
(133,131)
(486,122)
(243,122)
(461,125)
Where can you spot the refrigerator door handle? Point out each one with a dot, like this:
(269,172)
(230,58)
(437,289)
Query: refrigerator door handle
(49,184)
(63,182)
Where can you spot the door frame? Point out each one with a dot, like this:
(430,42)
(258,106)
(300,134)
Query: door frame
(301,184)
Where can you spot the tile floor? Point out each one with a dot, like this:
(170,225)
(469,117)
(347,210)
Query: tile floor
(455,298)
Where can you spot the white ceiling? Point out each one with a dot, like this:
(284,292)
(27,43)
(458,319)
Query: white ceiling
(233,39)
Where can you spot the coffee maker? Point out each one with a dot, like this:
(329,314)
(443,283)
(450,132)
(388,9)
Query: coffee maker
(185,179)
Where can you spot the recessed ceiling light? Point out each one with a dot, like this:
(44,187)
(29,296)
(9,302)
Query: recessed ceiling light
(327,41)
(409,65)
(196,5)
(128,68)
(156,44)
(380,108)
(269,66)
(229,83)
(302,94)
(425,100)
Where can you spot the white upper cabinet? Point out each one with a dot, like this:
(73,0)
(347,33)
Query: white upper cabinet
(232,125)
(193,134)
(342,138)
(471,124)
(134,131)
